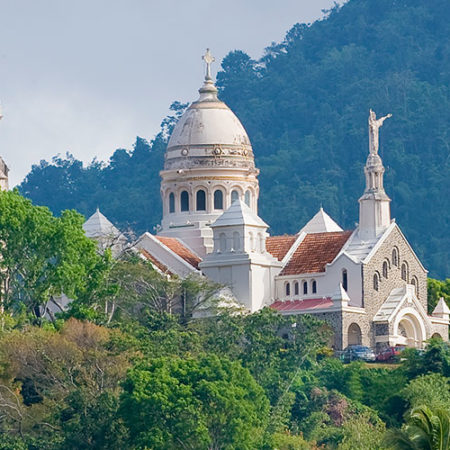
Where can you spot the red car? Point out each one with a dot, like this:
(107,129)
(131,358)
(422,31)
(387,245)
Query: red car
(389,353)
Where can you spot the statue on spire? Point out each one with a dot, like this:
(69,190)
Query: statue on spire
(374,126)
(209,59)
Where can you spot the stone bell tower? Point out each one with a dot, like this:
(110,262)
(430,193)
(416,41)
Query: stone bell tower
(374,205)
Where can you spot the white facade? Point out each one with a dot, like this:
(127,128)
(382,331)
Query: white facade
(240,260)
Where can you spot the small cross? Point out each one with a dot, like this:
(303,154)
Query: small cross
(209,59)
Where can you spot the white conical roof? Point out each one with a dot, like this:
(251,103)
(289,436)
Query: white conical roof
(239,214)
(99,226)
(321,223)
(441,308)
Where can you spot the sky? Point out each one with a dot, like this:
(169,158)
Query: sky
(88,76)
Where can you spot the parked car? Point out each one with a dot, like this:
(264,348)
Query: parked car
(358,352)
(390,353)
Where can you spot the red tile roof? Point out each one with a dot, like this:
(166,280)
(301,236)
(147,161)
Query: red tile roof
(278,246)
(302,305)
(183,252)
(154,261)
(315,251)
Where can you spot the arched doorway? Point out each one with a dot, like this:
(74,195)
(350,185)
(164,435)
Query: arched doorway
(354,334)
(409,329)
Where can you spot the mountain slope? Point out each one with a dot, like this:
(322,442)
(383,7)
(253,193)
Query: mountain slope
(305,106)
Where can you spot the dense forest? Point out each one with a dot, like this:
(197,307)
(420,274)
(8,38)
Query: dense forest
(305,105)
(128,366)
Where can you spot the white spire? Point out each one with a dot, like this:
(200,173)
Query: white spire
(208,92)
(320,223)
(374,210)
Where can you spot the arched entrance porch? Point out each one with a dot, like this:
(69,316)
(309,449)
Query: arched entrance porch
(409,329)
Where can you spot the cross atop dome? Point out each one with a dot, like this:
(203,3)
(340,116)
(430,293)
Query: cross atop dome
(209,59)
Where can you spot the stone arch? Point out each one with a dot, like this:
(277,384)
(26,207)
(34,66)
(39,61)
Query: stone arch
(395,257)
(219,201)
(404,271)
(354,336)
(287,289)
(184,201)
(236,241)
(248,198)
(436,336)
(415,283)
(385,268)
(235,193)
(376,281)
(223,242)
(409,328)
(344,279)
(200,199)
(171,203)
(314,287)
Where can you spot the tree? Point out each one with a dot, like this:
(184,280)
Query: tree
(425,429)
(62,386)
(436,290)
(42,256)
(202,403)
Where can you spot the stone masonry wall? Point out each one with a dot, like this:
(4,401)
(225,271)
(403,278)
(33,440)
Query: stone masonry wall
(374,299)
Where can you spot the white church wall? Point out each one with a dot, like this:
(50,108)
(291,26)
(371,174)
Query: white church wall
(334,276)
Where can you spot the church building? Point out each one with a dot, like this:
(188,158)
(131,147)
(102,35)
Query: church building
(367,283)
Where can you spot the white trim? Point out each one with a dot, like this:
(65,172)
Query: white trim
(380,241)
(168,250)
(293,248)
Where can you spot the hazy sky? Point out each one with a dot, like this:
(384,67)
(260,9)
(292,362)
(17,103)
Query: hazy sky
(88,76)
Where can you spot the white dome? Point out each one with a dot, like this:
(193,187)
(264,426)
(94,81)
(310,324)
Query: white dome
(208,130)
(208,123)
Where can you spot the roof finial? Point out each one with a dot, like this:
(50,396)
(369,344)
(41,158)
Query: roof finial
(209,59)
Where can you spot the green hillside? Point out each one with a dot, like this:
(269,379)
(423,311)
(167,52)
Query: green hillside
(305,105)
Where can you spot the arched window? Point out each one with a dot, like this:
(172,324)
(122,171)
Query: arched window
(314,287)
(261,242)
(218,199)
(201,200)
(234,196)
(247,198)
(404,272)
(223,242)
(344,279)
(171,202)
(236,241)
(415,283)
(385,269)
(184,201)
(395,257)
(305,287)
(251,240)
(376,282)
(288,289)
(296,288)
